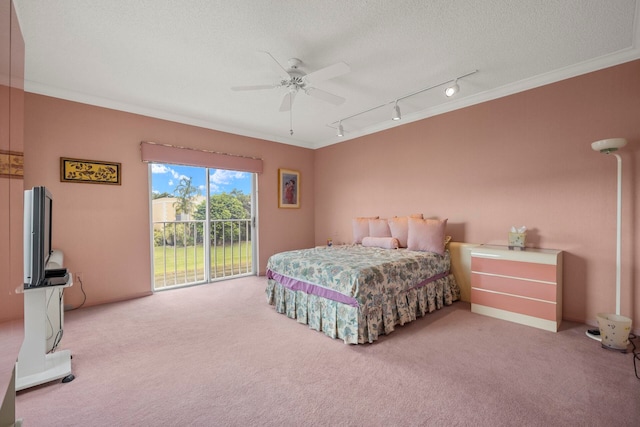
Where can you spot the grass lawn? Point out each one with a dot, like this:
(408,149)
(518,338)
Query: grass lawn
(175,266)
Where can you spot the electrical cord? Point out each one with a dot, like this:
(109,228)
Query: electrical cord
(49,323)
(636,354)
(84,296)
(60,332)
(58,337)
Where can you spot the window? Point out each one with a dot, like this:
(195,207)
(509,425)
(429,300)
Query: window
(202,224)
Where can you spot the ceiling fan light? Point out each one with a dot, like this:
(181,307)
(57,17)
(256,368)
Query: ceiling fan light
(453,89)
(340,129)
(396,113)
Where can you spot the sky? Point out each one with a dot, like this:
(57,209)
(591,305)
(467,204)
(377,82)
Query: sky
(165,178)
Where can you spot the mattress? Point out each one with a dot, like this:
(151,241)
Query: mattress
(358,293)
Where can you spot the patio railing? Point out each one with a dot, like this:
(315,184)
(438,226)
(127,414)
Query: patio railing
(181,248)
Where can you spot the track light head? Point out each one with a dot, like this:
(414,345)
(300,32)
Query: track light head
(396,113)
(340,129)
(453,89)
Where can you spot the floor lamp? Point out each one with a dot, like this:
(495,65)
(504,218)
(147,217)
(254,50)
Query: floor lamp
(608,146)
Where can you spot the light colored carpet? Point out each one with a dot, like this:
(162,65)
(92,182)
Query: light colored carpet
(218,354)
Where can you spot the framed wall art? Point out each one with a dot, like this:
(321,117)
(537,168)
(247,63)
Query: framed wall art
(288,188)
(89,171)
(11,164)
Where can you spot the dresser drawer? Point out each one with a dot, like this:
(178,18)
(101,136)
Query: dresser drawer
(515,304)
(514,286)
(524,270)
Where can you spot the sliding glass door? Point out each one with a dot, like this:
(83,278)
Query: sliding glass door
(202,223)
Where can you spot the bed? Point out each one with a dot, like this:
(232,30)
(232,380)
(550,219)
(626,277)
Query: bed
(357,293)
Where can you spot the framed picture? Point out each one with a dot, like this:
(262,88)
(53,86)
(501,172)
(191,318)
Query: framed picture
(89,171)
(11,164)
(288,188)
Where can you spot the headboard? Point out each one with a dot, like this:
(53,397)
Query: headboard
(461,267)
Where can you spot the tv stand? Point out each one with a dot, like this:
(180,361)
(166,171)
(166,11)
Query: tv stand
(35,366)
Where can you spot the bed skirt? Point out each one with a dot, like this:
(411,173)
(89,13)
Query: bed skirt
(358,325)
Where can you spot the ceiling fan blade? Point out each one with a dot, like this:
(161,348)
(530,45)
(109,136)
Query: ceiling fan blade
(325,96)
(255,87)
(327,73)
(277,67)
(287,101)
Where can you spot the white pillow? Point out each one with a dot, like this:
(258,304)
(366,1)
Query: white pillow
(399,227)
(426,235)
(379,228)
(381,242)
(360,228)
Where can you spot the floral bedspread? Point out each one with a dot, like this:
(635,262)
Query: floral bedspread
(357,293)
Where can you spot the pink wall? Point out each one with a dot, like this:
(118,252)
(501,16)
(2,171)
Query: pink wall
(104,230)
(525,159)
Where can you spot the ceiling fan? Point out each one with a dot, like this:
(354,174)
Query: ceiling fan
(294,79)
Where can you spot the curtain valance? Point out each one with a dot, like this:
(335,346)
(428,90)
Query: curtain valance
(163,153)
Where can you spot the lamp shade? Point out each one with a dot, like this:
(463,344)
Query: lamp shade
(609,145)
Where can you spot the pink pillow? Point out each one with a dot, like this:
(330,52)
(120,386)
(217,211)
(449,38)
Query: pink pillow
(379,228)
(360,228)
(426,235)
(400,229)
(380,242)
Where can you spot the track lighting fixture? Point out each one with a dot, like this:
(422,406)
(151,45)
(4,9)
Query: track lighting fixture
(449,91)
(453,89)
(396,112)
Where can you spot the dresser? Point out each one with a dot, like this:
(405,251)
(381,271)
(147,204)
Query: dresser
(519,286)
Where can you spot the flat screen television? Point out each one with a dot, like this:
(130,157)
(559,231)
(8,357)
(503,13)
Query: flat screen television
(38,210)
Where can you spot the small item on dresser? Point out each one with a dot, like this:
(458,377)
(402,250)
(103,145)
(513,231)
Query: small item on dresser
(517,238)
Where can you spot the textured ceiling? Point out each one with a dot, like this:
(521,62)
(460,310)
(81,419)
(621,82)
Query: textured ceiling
(177,60)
